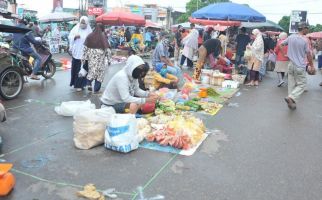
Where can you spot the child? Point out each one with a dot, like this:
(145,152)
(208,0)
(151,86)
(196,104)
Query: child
(164,79)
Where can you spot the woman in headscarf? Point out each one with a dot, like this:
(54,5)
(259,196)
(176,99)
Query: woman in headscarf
(211,46)
(257,57)
(282,60)
(190,46)
(97,53)
(77,38)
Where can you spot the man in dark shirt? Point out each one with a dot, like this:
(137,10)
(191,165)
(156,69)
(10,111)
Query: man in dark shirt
(177,43)
(242,41)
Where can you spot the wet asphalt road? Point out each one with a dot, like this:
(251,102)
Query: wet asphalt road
(260,151)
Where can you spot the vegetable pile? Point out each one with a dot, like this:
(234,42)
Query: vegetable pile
(182,132)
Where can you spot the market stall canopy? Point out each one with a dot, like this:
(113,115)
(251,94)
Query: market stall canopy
(272,32)
(268,24)
(219,28)
(13,29)
(120,18)
(229,11)
(206,22)
(57,17)
(186,25)
(315,35)
(150,24)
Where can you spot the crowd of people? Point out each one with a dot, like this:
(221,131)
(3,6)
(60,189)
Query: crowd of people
(90,51)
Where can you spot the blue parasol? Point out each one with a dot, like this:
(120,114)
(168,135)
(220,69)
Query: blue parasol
(229,11)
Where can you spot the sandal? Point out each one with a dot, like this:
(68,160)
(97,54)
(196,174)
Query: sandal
(34,77)
(250,84)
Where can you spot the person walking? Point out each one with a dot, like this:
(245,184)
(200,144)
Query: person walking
(97,54)
(299,54)
(282,60)
(190,46)
(77,37)
(256,60)
(242,41)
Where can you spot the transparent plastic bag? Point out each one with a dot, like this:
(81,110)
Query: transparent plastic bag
(70,108)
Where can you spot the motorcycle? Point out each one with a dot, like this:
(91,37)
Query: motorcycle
(14,66)
(11,79)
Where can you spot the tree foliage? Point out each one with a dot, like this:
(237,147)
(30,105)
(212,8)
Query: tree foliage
(285,23)
(194,5)
(317,28)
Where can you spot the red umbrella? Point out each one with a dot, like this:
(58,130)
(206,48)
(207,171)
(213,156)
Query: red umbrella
(119,18)
(315,35)
(214,22)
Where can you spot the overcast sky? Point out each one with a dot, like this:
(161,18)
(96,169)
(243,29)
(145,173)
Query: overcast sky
(272,9)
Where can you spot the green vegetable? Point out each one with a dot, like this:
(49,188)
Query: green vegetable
(193,105)
(212,92)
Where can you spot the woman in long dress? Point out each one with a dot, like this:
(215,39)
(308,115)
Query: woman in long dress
(97,54)
(190,46)
(257,57)
(282,60)
(77,38)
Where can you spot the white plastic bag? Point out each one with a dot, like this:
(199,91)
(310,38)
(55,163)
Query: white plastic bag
(70,108)
(121,134)
(82,72)
(89,127)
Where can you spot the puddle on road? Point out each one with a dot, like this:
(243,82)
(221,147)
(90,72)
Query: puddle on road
(211,145)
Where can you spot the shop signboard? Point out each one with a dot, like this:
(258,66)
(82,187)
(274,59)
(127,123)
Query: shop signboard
(54,44)
(57,5)
(96,3)
(297,16)
(95,11)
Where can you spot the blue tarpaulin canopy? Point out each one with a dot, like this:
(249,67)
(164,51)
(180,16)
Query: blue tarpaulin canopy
(229,11)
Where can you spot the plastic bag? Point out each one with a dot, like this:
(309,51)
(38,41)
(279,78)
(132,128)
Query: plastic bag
(70,108)
(121,134)
(89,127)
(82,72)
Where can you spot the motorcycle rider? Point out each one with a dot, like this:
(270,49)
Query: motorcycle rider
(22,42)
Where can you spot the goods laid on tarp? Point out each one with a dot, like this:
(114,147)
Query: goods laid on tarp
(70,108)
(121,133)
(180,131)
(89,127)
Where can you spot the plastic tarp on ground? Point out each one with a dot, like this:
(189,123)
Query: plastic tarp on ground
(315,35)
(229,11)
(57,17)
(119,18)
(268,24)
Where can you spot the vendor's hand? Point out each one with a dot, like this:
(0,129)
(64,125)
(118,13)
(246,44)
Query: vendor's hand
(152,98)
(175,81)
